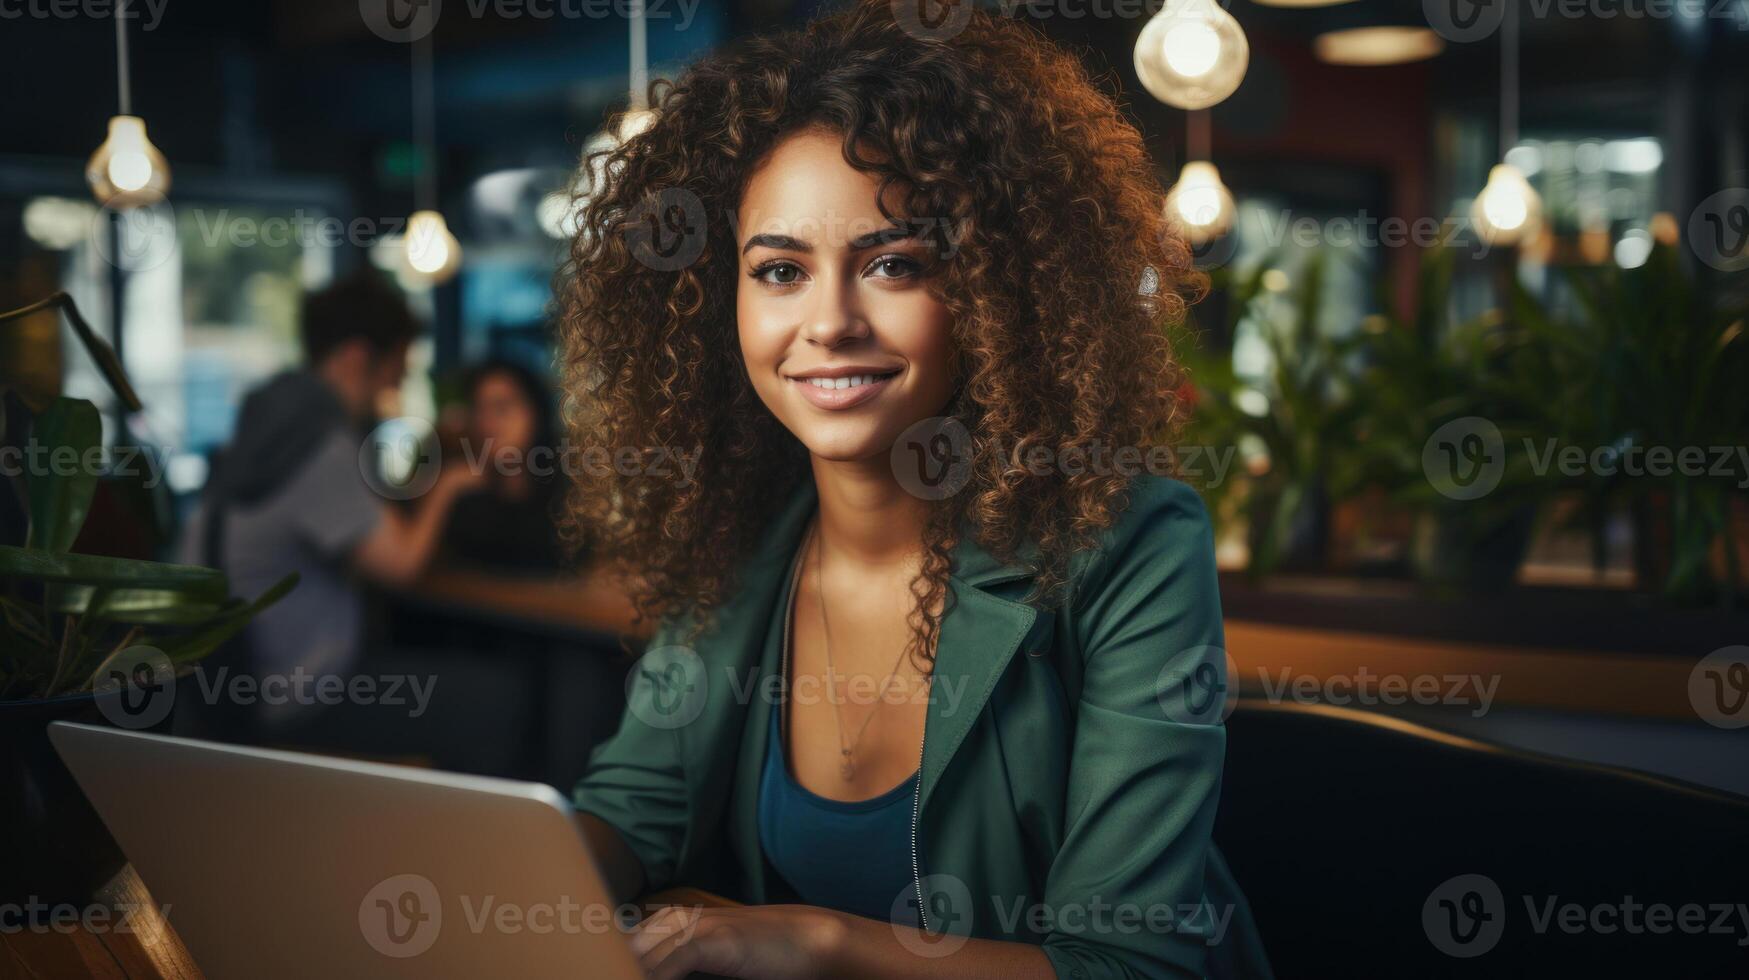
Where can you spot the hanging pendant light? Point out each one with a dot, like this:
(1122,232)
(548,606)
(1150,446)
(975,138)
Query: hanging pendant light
(431,253)
(1508,211)
(1192,54)
(1199,206)
(1508,208)
(127,170)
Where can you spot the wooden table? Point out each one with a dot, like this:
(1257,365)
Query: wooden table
(149,949)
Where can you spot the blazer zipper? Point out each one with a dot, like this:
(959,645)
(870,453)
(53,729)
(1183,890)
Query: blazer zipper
(916,811)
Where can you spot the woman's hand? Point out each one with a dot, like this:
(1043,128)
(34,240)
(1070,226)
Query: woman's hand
(767,942)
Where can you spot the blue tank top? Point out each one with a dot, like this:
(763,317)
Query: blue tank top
(851,856)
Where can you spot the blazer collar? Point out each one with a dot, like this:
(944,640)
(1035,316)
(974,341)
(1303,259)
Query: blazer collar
(979,636)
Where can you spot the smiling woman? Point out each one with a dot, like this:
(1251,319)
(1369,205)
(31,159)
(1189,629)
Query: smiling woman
(875,275)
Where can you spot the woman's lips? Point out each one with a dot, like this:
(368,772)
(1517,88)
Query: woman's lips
(839,399)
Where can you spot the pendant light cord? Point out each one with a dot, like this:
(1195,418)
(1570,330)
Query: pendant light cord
(1198,135)
(1509,78)
(424,123)
(124,91)
(640,52)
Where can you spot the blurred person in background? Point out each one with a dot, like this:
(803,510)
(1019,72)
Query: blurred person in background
(507,522)
(289,494)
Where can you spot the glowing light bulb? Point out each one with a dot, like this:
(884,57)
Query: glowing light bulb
(1191,48)
(1199,205)
(634,122)
(1508,207)
(1192,54)
(127,170)
(433,254)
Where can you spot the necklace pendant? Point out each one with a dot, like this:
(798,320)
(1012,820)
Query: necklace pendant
(846,767)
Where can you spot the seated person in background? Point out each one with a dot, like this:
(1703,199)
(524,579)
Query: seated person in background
(289,493)
(507,522)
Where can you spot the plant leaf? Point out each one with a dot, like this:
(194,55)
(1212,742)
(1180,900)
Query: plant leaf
(69,433)
(31,563)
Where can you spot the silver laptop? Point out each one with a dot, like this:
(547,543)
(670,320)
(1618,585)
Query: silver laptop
(282,865)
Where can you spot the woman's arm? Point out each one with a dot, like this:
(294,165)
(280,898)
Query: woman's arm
(622,869)
(793,942)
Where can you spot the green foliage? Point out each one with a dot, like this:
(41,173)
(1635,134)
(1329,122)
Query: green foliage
(62,614)
(1311,416)
(1643,358)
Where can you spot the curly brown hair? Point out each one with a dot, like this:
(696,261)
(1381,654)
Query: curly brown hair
(996,133)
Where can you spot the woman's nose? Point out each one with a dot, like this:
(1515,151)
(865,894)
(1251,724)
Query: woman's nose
(836,315)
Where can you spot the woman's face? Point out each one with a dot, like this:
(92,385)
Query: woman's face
(502,414)
(841,335)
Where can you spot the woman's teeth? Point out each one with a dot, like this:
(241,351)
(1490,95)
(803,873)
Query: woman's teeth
(854,381)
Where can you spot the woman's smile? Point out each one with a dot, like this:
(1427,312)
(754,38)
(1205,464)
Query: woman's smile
(836,389)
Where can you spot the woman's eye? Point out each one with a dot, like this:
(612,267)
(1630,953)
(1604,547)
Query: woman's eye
(894,267)
(779,273)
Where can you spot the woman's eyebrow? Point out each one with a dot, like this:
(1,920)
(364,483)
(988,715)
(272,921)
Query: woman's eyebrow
(784,242)
(898,231)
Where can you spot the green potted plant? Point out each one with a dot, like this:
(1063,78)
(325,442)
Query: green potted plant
(82,636)
(1301,415)
(1639,359)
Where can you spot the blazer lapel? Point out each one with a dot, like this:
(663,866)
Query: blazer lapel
(979,636)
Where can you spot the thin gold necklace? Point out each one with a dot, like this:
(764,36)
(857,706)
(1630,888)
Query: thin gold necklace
(846,748)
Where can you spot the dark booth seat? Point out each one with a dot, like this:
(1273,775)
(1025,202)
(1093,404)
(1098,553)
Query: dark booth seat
(1341,826)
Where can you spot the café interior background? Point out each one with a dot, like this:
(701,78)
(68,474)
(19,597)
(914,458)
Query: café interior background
(1364,300)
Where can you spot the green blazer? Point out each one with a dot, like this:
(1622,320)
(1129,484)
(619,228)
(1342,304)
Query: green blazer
(1067,792)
